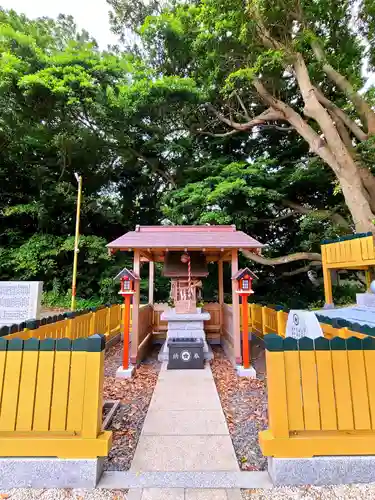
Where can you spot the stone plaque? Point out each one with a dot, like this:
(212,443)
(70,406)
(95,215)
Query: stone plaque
(303,324)
(19,301)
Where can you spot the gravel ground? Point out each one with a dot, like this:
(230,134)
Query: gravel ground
(244,402)
(61,494)
(135,396)
(343,491)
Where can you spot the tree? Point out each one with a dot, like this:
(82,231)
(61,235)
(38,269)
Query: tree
(274,63)
(54,122)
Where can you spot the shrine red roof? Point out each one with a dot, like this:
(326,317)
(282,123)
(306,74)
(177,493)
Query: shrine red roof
(173,237)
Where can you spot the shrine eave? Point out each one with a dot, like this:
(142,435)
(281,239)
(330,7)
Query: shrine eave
(151,238)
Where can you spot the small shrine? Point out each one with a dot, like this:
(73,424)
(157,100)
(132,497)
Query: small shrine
(185,252)
(186,271)
(185,319)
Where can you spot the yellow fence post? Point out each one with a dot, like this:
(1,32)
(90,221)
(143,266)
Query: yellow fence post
(69,327)
(281,323)
(92,323)
(108,322)
(252,316)
(276,384)
(92,407)
(264,320)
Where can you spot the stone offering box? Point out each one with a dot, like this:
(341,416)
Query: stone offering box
(185,354)
(185,326)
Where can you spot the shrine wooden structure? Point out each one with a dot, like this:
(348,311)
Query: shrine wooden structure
(219,244)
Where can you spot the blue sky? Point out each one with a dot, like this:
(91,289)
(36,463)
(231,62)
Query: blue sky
(91,15)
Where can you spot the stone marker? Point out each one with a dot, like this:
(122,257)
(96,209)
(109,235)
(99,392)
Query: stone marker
(19,301)
(303,324)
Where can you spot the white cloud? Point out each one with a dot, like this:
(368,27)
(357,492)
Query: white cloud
(91,15)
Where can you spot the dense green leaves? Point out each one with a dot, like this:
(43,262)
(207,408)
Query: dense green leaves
(136,125)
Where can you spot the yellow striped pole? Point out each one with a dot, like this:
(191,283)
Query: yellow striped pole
(76,242)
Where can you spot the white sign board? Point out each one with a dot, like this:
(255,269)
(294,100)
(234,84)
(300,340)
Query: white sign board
(19,301)
(303,324)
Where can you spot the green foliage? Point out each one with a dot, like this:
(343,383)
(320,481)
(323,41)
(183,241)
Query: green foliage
(134,125)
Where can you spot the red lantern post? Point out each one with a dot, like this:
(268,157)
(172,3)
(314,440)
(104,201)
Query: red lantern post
(244,290)
(125,356)
(245,332)
(127,280)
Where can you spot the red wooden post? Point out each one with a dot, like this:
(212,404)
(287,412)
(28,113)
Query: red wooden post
(125,360)
(245,332)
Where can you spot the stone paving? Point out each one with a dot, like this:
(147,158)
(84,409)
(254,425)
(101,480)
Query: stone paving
(184,431)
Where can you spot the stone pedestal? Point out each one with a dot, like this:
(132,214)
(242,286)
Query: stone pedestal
(320,471)
(366,299)
(121,373)
(246,372)
(185,326)
(48,472)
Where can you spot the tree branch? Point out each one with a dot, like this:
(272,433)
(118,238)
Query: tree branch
(212,134)
(275,219)
(286,259)
(343,131)
(317,145)
(240,101)
(365,112)
(352,126)
(335,217)
(368,180)
(270,114)
(303,269)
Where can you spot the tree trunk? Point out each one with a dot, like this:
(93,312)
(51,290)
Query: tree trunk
(345,167)
(363,108)
(368,181)
(338,158)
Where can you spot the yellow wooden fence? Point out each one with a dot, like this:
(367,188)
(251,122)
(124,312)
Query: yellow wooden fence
(51,402)
(351,251)
(321,397)
(264,320)
(106,321)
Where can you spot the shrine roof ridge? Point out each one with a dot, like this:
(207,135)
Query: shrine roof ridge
(190,237)
(188,228)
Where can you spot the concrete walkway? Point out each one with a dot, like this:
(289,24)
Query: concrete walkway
(185,431)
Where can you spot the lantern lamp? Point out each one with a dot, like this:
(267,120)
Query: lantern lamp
(127,282)
(244,277)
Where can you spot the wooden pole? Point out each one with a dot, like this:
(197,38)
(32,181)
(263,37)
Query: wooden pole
(327,285)
(125,357)
(135,318)
(220,267)
(327,278)
(151,274)
(220,282)
(245,333)
(236,310)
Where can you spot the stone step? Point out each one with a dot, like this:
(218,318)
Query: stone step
(198,479)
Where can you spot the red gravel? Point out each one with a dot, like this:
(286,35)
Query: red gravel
(135,396)
(244,402)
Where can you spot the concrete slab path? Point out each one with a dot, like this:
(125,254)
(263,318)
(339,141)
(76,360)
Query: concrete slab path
(185,431)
